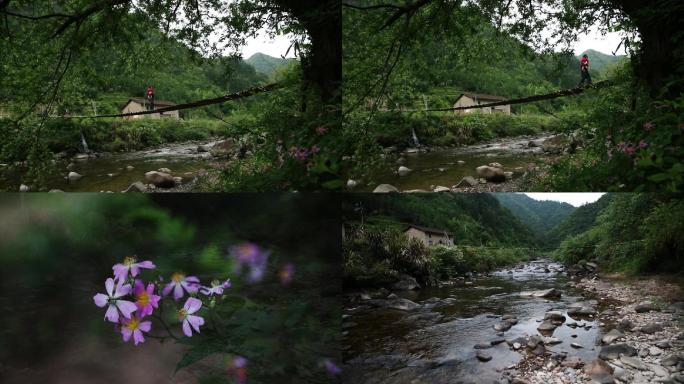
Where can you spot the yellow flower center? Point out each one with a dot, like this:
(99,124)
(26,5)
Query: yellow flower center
(182,313)
(133,324)
(177,277)
(143,298)
(129,260)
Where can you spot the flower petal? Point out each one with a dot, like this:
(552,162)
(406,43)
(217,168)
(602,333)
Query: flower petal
(112,314)
(192,305)
(122,290)
(120,271)
(138,288)
(167,288)
(109,285)
(177,292)
(126,333)
(186,328)
(126,308)
(195,321)
(145,326)
(138,337)
(100,299)
(134,270)
(146,264)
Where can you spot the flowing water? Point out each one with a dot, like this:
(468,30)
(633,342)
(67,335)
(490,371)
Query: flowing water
(434,343)
(108,172)
(446,167)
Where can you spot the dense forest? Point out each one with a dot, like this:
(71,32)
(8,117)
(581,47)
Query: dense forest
(78,58)
(627,136)
(633,233)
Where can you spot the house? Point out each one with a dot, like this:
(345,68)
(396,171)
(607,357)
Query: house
(468,99)
(429,236)
(138,105)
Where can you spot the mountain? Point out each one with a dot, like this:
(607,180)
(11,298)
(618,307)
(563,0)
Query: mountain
(539,216)
(472,219)
(579,221)
(268,65)
(599,61)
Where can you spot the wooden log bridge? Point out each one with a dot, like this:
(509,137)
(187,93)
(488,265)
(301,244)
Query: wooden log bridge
(528,99)
(200,103)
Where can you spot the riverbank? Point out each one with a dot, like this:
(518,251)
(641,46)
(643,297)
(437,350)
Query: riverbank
(500,165)
(531,323)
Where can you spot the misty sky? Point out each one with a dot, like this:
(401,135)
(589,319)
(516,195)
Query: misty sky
(575,199)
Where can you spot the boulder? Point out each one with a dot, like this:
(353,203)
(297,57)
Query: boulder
(403,171)
(402,304)
(554,144)
(502,326)
(484,357)
(602,378)
(598,366)
(492,174)
(611,336)
(351,184)
(554,316)
(24,188)
(55,191)
(406,283)
(652,328)
(546,326)
(547,293)
(160,179)
(130,167)
(573,362)
(634,362)
(225,148)
(440,188)
(611,352)
(646,306)
(385,188)
(467,182)
(136,187)
(204,148)
(73,176)
(165,170)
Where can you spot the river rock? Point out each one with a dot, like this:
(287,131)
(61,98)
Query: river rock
(573,362)
(402,304)
(160,179)
(351,184)
(554,144)
(136,187)
(467,182)
(130,167)
(646,306)
(225,148)
(24,188)
(385,188)
(611,352)
(581,309)
(598,366)
(406,283)
(440,188)
(634,362)
(546,326)
(204,148)
(502,326)
(403,171)
(652,328)
(576,346)
(55,191)
(611,336)
(482,346)
(554,316)
(73,176)
(625,325)
(484,357)
(602,378)
(547,293)
(165,170)
(552,341)
(491,174)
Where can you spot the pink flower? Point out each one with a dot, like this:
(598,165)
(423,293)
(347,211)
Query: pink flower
(648,125)
(130,264)
(642,144)
(185,315)
(216,288)
(146,300)
(134,327)
(179,283)
(238,368)
(321,130)
(253,256)
(286,273)
(114,302)
(300,154)
(315,149)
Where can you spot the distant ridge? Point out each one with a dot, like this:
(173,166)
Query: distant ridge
(598,61)
(268,65)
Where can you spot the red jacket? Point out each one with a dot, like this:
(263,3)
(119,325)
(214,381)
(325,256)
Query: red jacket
(584,63)
(150,92)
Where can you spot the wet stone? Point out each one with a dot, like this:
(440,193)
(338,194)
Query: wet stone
(482,356)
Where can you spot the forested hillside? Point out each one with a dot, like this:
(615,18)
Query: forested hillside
(539,216)
(471,220)
(634,233)
(578,221)
(267,65)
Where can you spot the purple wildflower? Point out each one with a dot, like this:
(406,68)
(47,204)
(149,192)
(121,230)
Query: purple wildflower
(642,144)
(145,299)
(130,264)
(114,302)
(180,283)
(189,320)
(238,369)
(331,367)
(648,125)
(315,149)
(286,273)
(134,327)
(216,288)
(321,131)
(253,256)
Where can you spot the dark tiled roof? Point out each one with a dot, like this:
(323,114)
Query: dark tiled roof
(481,96)
(427,229)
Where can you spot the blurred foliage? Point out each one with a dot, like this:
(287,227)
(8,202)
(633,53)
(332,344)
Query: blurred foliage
(56,250)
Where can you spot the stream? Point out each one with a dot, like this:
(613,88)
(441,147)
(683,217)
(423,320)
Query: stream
(434,343)
(447,166)
(112,171)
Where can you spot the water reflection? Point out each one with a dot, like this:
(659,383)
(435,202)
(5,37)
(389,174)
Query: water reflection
(57,250)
